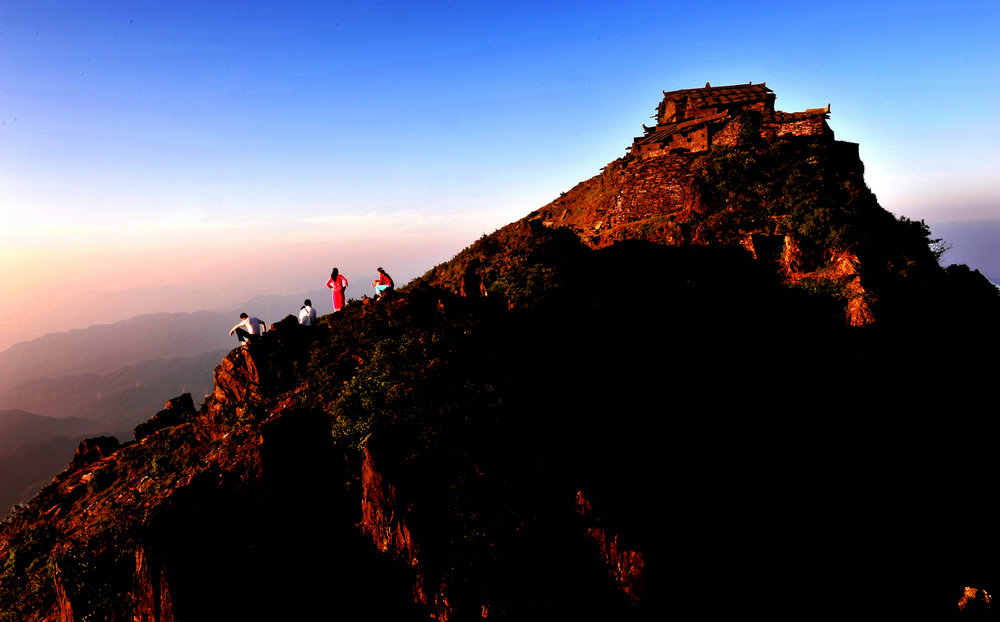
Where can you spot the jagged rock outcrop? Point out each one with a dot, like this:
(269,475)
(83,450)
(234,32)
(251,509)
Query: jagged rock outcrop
(175,411)
(93,449)
(63,608)
(625,567)
(975,602)
(385,522)
(237,378)
(151,594)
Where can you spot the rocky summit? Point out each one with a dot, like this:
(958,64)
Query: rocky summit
(715,379)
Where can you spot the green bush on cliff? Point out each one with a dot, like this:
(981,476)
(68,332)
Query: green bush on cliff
(408,381)
(25,573)
(520,266)
(825,288)
(375,393)
(813,191)
(522,281)
(797,187)
(93,572)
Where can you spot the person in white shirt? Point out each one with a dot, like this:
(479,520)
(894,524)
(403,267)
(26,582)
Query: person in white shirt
(307,315)
(249,327)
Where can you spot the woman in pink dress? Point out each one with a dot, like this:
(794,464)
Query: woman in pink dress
(337,283)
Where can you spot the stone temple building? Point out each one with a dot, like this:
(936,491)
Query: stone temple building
(693,120)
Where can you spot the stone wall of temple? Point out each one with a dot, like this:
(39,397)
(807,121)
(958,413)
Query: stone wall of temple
(647,188)
(811,125)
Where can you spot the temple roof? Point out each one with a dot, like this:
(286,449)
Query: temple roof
(720,95)
(709,109)
(661,132)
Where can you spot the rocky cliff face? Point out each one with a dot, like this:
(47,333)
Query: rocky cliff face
(502,440)
(207,511)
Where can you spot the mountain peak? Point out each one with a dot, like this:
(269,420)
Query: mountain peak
(723,167)
(509,438)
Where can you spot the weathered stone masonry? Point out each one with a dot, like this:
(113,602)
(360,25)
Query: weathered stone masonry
(694,120)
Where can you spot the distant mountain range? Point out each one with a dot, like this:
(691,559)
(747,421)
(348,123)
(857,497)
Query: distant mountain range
(978,246)
(107,348)
(121,398)
(18,427)
(105,379)
(33,449)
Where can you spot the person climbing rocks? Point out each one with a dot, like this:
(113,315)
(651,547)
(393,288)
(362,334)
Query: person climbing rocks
(383,284)
(307,314)
(337,284)
(248,329)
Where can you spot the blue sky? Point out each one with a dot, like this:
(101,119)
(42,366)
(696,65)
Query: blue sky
(190,155)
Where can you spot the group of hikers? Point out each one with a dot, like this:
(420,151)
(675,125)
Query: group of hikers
(250,327)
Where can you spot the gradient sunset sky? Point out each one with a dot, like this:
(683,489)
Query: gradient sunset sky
(176,156)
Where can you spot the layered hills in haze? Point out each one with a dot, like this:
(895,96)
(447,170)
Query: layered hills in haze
(105,349)
(105,379)
(18,426)
(786,414)
(32,449)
